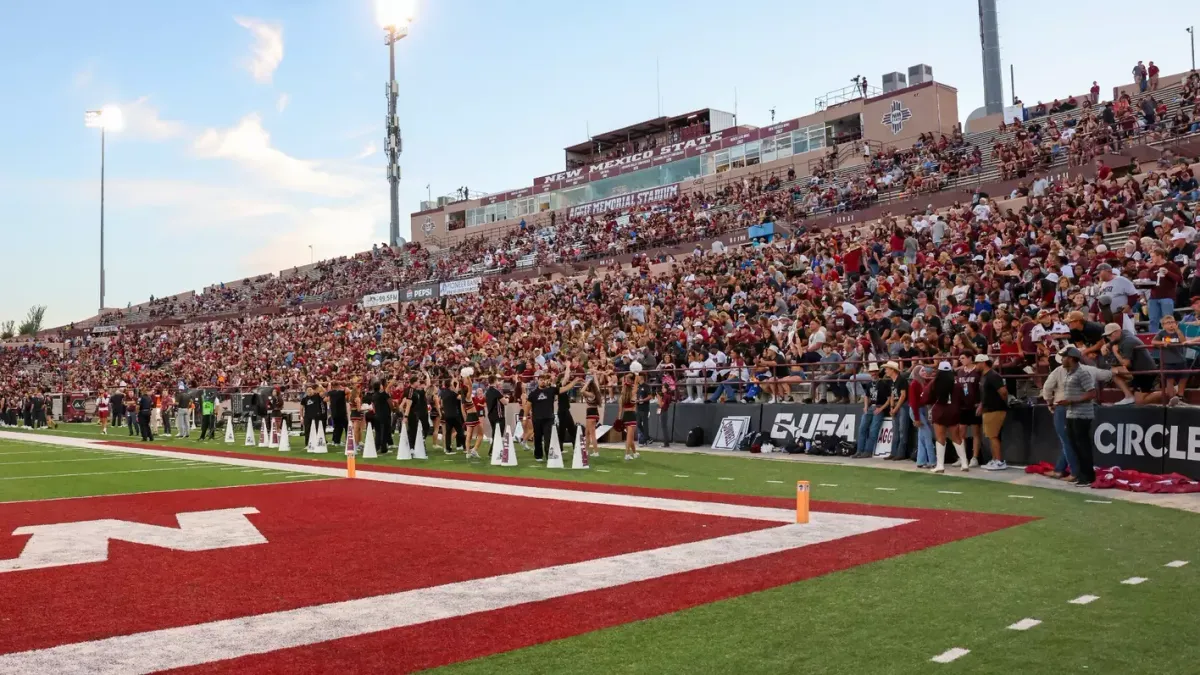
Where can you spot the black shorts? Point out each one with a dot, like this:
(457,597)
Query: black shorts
(593,413)
(1144,382)
(968,418)
(629,417)
(472,419)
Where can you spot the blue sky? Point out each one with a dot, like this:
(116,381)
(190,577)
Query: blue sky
(254,128)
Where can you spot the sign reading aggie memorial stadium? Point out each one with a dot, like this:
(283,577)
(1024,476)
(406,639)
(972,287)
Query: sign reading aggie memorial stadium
(640,198)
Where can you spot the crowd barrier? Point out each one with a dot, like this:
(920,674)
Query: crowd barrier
(1151,439)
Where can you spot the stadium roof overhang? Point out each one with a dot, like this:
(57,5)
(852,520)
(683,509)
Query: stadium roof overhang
(639,130)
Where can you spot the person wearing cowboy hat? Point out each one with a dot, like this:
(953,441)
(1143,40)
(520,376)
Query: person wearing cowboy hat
(900,411)
(1078,396)
(993,408)
(875,409)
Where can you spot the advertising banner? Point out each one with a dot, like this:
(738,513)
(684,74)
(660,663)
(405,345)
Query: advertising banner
(99,330)
(421,292)
(460,286)
(381,299)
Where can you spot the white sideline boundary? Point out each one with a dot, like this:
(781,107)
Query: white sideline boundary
(209,642)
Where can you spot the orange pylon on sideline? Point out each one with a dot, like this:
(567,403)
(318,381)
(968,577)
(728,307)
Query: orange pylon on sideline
(350,453)
(802,493)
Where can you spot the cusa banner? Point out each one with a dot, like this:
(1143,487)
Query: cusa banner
(460,286)
(641,198)
(380,299)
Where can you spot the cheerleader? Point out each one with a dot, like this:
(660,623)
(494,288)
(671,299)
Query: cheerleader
(357,414)
(628,405)
(944,415)
(102,412)
(592,399)
(566,422)
(471,406)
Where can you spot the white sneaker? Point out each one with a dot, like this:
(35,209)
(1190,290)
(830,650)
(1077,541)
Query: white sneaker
(637,455)
(974,463)
(938,469)
(1128,400)
(998,466)
(628,458)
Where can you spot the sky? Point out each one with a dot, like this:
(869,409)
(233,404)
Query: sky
(254,129)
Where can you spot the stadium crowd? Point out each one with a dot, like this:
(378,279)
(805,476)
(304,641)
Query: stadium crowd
(938,320)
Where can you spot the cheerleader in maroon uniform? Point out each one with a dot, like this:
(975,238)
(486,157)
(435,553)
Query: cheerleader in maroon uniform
(471,408)
(944,413)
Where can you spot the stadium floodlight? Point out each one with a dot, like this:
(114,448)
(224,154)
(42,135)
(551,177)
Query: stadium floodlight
(394,16)
(108,118)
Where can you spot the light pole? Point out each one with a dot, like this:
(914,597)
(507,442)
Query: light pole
(1192,34)
(310,254)
(395,17)
(108,117)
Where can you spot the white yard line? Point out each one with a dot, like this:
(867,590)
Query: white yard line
(950,655)
(1176,563)
(1096,501)
(1134,581)
(829,484)
(886,489)
(682,475)
(778,482)
(233,638)
(1084,600)
(948,492)
(1024,624)
(100,473)
(1021,496)
(723,478)
(59,461)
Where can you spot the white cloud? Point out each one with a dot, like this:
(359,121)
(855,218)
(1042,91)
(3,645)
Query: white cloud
(249,144)
(142,122)
(367,151)
(268,47)
(281,103)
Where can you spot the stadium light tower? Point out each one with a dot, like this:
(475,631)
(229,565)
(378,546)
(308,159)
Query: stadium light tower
(395,17)
(108,118)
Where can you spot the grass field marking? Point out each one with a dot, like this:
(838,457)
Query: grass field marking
(1097,501)
(1176,563)
(948,492)
(1134,581)
(828,484)
(952,654)
(1021,496)
(1084,600)
(777,482)
(682,475)
(639,473)
(1024,624)
(724,478)
(60,461)
(886,489)
(100,473)
(603,470)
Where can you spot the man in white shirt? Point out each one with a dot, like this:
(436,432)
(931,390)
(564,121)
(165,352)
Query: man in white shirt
(983,212)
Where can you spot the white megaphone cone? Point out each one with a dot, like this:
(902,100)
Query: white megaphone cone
(229,430)
(264,438)
(250,441)
(321,446)
(419,449)
(497,446)
(402,449)
(579,459)
(284,441)
(312,436)
(554,461)
(368,448)
(509,453)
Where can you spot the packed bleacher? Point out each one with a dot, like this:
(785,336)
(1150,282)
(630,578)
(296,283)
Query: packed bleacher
(1106,265)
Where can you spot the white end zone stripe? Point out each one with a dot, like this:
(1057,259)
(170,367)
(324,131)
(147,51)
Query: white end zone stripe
(218,640)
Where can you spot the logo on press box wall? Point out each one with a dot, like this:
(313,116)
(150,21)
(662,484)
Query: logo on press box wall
(896,117)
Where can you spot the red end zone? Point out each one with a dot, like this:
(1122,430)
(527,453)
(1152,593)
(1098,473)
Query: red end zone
(334,541)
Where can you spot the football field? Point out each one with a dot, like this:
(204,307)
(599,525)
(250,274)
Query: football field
(120,557)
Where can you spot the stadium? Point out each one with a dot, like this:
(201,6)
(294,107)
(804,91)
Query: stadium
(874,388)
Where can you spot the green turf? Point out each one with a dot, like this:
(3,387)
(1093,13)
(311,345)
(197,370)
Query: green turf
(894,615)
(38,471)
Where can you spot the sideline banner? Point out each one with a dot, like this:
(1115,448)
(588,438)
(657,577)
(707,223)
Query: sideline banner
(460,286)
(381,299)
(427,291)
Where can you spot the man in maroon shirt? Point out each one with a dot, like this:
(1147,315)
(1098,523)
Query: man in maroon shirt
(1162,296)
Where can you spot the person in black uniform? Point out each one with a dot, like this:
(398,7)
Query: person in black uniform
(116,407)
(383,415)
(416,409)
(310,407)
(566,422)
(38,410)
(644,395)
(494,403)
(452,416)
(541,402)
(339,413)
(145,406)
(258,410)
